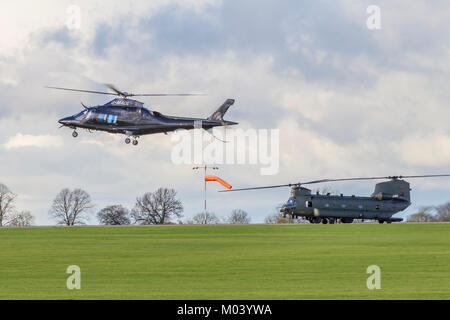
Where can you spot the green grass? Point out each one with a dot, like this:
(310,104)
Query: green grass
(227,262)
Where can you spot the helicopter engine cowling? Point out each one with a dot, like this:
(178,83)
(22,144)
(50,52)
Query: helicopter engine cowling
(394,189)
(384,196)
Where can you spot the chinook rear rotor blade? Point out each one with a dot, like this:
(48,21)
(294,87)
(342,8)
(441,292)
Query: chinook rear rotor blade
(376,178)
(343,179)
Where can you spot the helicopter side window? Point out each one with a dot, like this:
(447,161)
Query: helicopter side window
(108,118)
(146,114)
(292,202)
(131,109)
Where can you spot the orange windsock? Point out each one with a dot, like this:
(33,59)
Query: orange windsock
(214,178)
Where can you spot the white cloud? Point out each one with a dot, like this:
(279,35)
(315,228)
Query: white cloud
(38,141)
(424,150)
(20,18)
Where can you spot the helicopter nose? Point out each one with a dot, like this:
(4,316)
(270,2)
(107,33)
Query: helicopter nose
(289,205)
(65,121)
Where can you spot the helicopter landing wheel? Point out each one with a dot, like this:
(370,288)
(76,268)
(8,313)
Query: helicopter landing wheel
(127,140)
(74,134)
(135,142)
(315,220)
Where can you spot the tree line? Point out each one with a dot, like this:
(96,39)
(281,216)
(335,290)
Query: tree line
(439,213)
(9,214)
(75,207)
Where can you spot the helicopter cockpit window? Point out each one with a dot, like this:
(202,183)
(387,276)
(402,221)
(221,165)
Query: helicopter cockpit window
(80,113)
(291,202)
(146,113)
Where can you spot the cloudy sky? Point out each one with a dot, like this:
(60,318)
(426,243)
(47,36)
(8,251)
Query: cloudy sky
(348,101)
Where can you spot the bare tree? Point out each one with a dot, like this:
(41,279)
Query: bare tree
(205,218)
(21,219)
(157,207)
(7,199)
(114,215)
(278,218)
(443,212)
(239,216)
(425,214)
(71,207)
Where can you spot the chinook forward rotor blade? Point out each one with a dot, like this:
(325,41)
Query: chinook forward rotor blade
(258,188)
(343,179)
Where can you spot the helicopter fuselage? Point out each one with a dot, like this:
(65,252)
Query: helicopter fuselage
(130,117)
(325,208)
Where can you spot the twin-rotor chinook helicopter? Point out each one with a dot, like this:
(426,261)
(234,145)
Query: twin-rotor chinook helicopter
(132,118)
(388,198)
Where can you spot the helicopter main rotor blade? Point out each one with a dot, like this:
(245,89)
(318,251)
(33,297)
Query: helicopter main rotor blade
(166,94)
(257,188)
(376,178)
(79,90)
(343,179)
(424,176)
(126,94)
(117,91)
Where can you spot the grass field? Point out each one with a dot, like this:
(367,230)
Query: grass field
(227,262)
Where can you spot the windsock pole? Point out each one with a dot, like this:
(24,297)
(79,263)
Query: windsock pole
(205,167)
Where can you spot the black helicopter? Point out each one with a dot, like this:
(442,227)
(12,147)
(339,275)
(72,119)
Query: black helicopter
(388,198)
(132,118)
